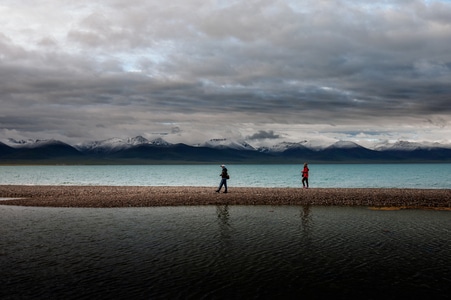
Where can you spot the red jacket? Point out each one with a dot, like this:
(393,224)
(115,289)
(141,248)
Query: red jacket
(305,172)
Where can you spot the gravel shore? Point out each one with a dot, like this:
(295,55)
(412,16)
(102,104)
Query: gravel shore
(140,196)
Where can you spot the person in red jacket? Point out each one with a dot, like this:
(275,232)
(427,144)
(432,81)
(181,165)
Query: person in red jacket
(305,176)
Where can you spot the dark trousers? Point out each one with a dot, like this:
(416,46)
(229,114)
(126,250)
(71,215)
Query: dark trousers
(305,181)
(223,183)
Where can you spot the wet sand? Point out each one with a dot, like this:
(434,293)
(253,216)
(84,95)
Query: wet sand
(140,196)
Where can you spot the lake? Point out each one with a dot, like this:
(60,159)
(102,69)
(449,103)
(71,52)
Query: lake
(436,176)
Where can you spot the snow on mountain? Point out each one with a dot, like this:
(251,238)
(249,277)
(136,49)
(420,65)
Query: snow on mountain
(158,142)
(315,144)
(118,144)
(137,140)
(30,143)
(17,143)
(226,143)
(409,146)
(109,145)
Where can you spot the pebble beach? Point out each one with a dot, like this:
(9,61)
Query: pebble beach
(147,196)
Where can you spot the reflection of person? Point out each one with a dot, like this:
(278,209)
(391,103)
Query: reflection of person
(224,176)
(306,221)
(305,176)
(225,231)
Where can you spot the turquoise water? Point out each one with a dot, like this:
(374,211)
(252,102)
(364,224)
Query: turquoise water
(224,252)
(436,176)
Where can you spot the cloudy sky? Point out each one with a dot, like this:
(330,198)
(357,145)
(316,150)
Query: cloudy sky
(192,70)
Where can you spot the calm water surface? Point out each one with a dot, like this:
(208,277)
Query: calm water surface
(323,175)
(224,252)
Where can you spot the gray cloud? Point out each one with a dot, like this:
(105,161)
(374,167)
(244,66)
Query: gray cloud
(264,135)
(137,67)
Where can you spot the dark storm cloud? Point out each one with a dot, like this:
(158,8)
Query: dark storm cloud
(146,66)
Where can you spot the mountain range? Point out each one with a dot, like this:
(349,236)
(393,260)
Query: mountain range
(139,150)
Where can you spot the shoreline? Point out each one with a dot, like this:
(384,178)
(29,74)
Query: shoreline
(148,196)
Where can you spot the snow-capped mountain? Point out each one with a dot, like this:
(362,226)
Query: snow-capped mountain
(409,146)
(30,143)
(108,145)
(18,143)
(158,142)
(137,140)
(227,143)
(118,144)
(141,150)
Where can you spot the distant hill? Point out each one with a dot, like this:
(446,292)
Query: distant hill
(5,150)
(42,152)
(139,150)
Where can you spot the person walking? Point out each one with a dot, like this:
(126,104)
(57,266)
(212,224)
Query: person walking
(305,176)
(224,176)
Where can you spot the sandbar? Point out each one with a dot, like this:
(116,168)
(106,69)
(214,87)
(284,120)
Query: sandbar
(148,196)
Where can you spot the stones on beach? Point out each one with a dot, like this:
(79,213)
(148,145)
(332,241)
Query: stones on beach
(145,196)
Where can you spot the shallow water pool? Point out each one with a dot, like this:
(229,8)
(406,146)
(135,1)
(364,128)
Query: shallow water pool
(224,252)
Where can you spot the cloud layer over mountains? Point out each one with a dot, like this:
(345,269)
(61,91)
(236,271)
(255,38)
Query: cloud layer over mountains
(365,71)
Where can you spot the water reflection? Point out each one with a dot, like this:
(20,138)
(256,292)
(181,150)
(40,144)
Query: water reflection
(225,230)
(223,215)
(306,222)
(223,252)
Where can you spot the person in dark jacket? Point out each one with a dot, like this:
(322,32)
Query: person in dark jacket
(305,176)
(224,176)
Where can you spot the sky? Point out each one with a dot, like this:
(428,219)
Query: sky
(192,70)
